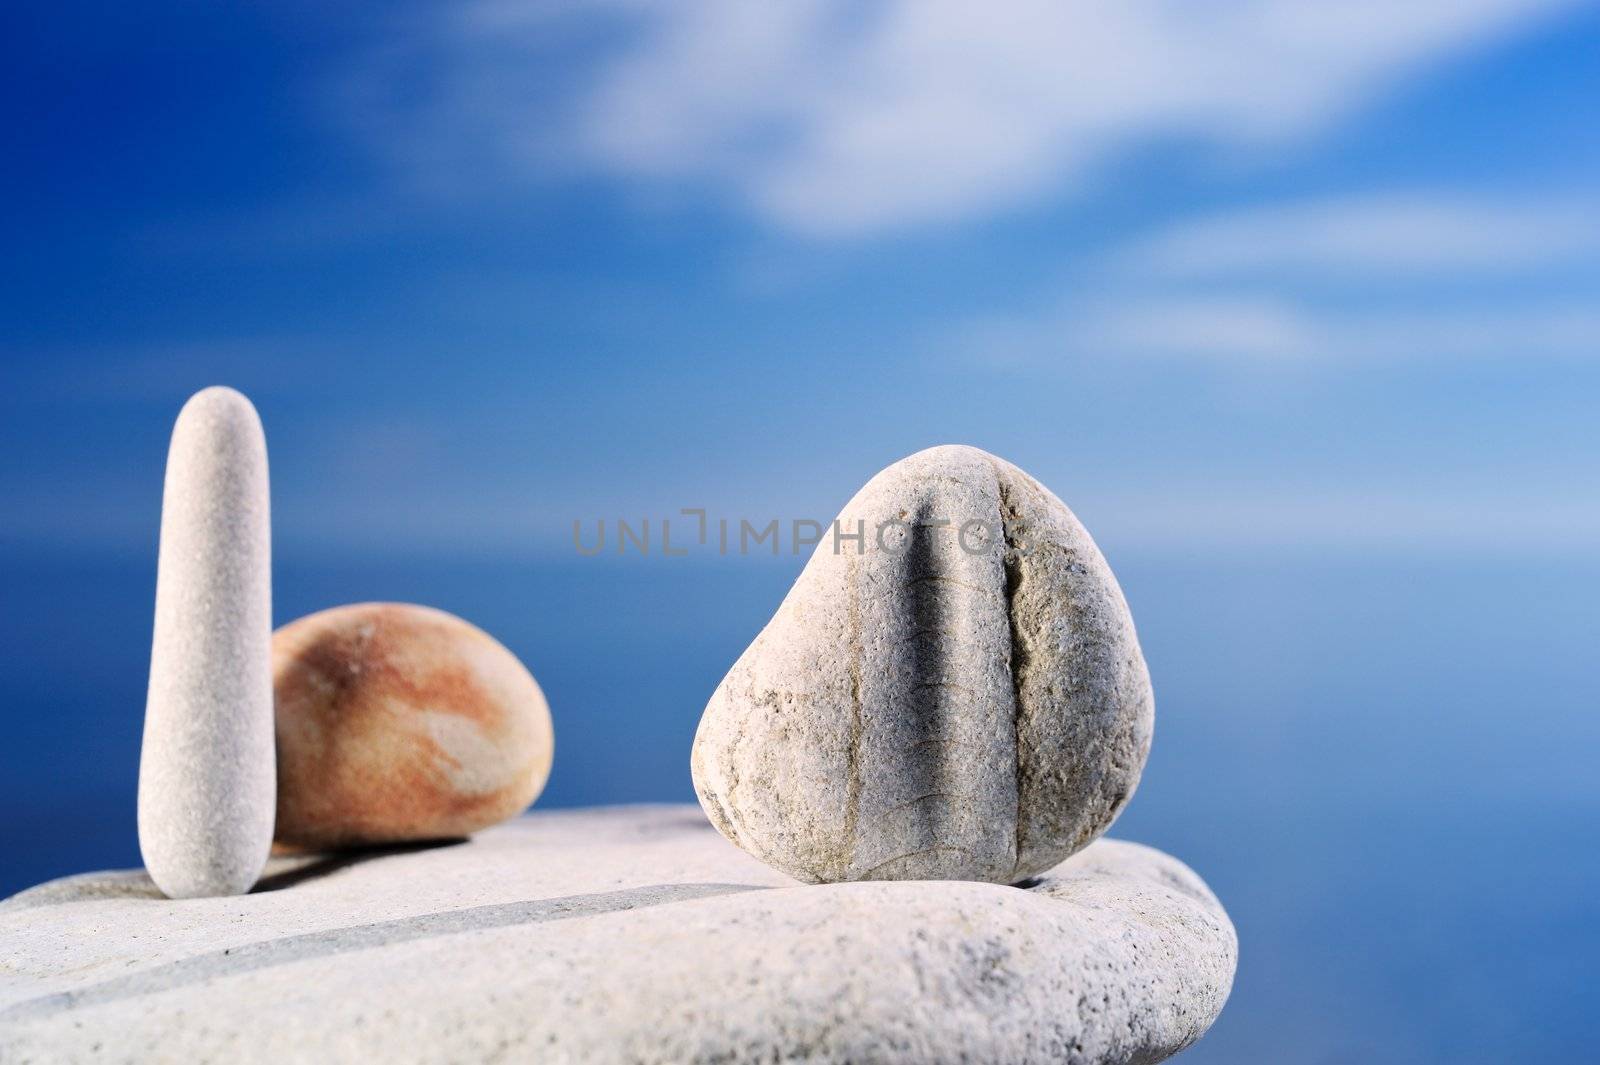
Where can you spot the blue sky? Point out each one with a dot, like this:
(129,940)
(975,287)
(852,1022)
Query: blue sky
(1296,305)
(1258,272)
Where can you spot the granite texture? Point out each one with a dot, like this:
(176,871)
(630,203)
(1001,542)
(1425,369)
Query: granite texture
(398,722)
(206,772)
(623,934)
(957,694)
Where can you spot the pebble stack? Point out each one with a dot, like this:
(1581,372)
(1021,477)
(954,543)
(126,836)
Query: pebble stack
(206,771)
(951,693)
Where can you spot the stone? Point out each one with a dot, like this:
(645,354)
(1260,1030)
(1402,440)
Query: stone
(622,934)
(398,722)
(954,692)
(206,789)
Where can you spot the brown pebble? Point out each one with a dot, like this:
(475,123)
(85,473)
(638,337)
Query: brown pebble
(398,723)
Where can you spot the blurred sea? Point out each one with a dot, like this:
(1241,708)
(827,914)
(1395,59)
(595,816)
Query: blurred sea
(1385,766)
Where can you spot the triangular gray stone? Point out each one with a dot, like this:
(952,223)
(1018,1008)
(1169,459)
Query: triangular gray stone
(962,701)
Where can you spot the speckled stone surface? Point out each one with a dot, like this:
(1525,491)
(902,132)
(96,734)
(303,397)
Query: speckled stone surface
(206,770)
(622,934)
(398,722)
(958,693)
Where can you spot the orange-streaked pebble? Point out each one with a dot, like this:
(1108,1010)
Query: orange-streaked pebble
(398,722)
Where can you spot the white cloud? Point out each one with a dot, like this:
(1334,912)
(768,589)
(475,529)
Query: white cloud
(1263,285)
(1429,234)
(1452,518)
(832,118)
(1232,327)
(1251,329)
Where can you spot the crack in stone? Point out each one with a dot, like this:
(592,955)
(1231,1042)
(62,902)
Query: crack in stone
(1018,663)
(948,795)
(941,579)
(912,854)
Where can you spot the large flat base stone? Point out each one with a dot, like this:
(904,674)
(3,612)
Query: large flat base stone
(619,934)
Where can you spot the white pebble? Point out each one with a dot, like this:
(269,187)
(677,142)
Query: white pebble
(207,776)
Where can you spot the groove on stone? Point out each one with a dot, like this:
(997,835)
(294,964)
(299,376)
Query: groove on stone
(852,815)
(265,954)
(938,704)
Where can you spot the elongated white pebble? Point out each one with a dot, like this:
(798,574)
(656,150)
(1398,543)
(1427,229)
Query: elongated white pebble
(207,773)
